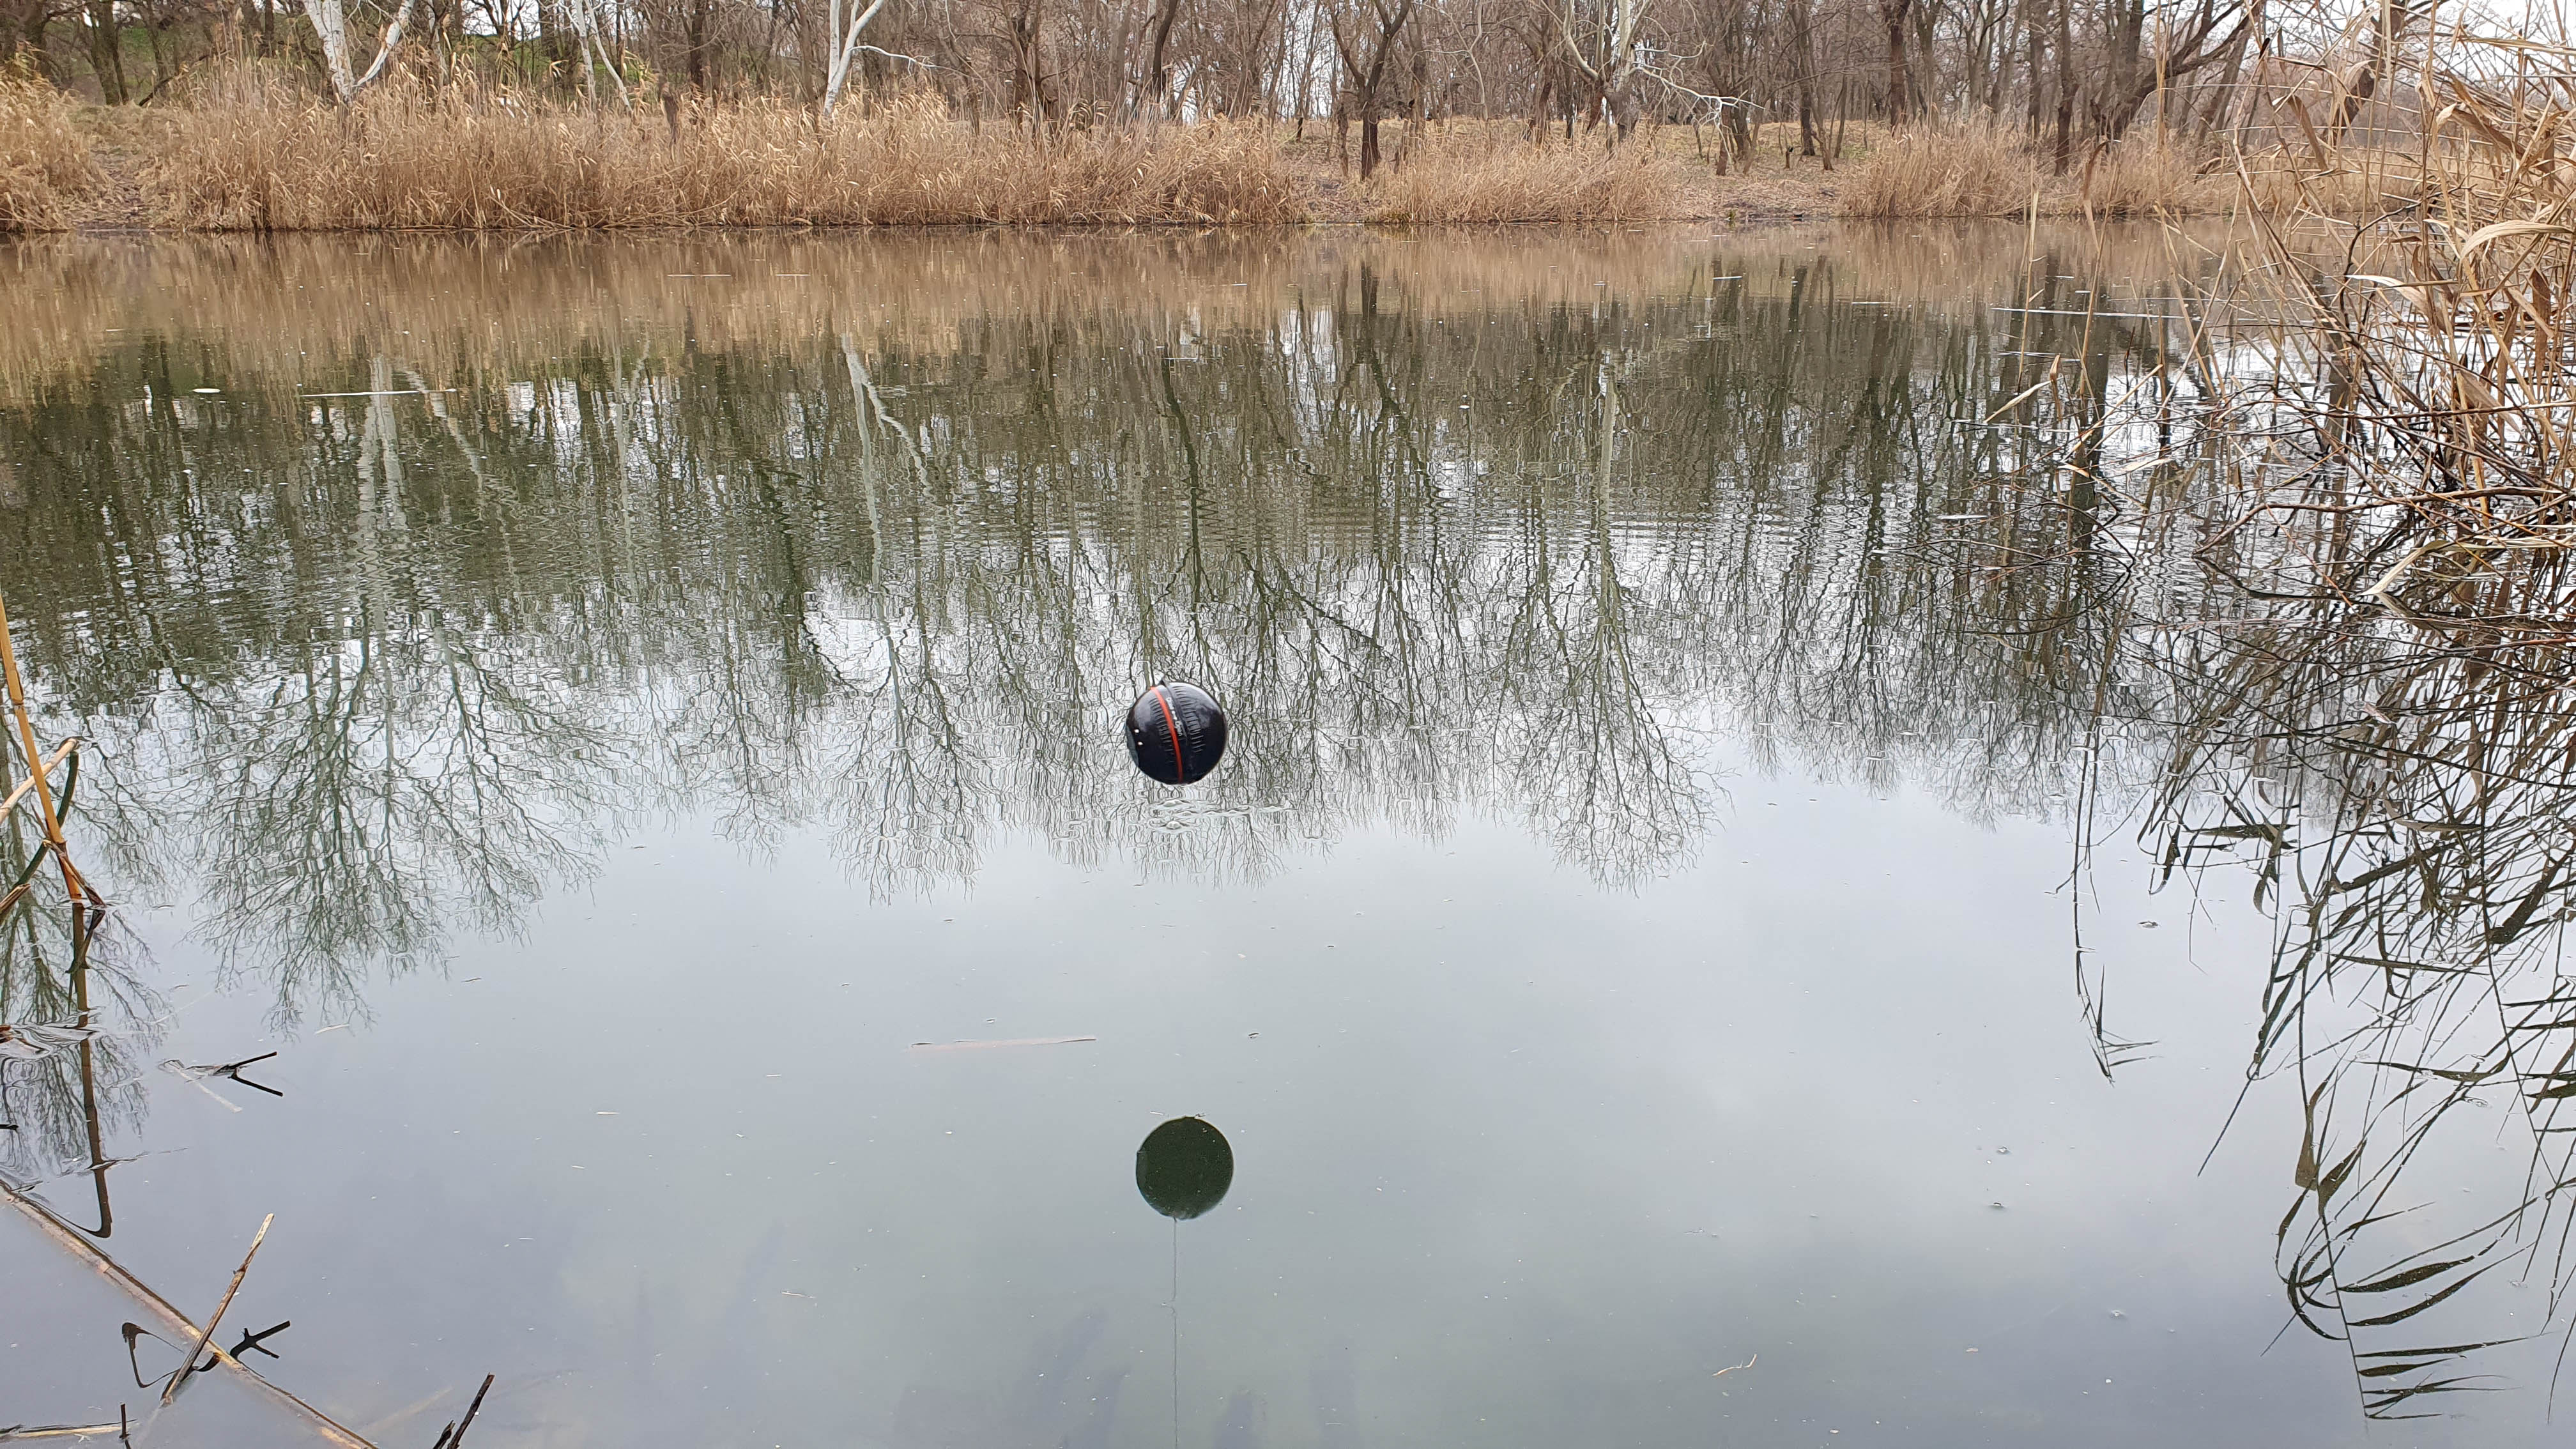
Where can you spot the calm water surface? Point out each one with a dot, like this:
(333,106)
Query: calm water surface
(1686,945)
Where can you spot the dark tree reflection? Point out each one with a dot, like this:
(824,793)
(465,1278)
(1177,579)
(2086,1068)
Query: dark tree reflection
(389,599)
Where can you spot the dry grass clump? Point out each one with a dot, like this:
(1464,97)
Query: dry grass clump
(2347,181)
(1950,171)
(44,159)
(408,161)
(2150,176)
(1470,183)
(1944,171)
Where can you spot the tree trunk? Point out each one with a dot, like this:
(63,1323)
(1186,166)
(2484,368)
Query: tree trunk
(1899,104)
(1802,54)
(2226,87)
(331,27)
(28,38)
(1161,79)
(2362,81)
(2128,33)
(107,52)
(1922,70)
(2065,149)
(701,14)
(1368,143)
(2035,36)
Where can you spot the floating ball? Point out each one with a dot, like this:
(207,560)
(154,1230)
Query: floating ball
(1176,733)
(1184,1168)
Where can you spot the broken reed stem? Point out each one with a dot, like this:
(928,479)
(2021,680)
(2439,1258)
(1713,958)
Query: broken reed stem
(171,1318)
(188,1366)
(29,783)
(454,1434)
(35,759)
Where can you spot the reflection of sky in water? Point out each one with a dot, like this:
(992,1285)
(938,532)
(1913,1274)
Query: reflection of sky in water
(1627,940)
(1518,1160)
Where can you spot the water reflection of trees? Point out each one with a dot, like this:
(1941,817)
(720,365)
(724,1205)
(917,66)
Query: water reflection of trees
(373,668)
(455,630)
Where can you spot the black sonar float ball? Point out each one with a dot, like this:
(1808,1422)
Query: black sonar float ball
(1184,1168)
(1176,733)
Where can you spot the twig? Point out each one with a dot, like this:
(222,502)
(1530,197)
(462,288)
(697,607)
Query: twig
(72,1240)
(29,783)
(35,763)
(206,1335)
(471,1410)
(259,1341)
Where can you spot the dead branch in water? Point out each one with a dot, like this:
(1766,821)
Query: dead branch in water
(453,1436)
(188,1365)
(170,1317)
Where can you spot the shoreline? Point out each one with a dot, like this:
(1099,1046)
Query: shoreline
(413,164)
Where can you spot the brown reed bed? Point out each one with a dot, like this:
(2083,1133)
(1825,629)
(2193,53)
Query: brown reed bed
(1480,180)
(45,161)
(407,160)
(240,150)
(1977,170)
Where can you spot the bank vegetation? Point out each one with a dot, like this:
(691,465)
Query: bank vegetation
(547,114)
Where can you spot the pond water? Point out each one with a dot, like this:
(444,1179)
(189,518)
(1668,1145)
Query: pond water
(1686,943)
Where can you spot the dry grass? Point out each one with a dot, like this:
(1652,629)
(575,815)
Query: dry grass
(1944,171)
(44,160)
(1972,170)
(2346,181)
(408,161)
(2406,426)
(245,150)
(2147,175)
(1477,181)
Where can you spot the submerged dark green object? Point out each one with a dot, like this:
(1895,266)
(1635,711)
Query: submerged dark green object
(1184,1168)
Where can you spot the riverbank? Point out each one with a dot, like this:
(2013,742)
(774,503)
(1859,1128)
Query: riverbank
(261,161)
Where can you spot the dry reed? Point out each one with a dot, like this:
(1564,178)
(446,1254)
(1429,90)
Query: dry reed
(2428,386)
(405,160)
(44,160)
(1475,182)
(1944,171)
(1975,170)
(2150,175)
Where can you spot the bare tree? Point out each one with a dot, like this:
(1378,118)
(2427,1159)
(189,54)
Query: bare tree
(1602,44)
(1365,33)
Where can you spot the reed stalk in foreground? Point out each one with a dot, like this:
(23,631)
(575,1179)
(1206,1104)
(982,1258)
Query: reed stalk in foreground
(2408,430)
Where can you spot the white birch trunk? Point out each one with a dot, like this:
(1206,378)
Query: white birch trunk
(845,44)
(594,52)
(331,27)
